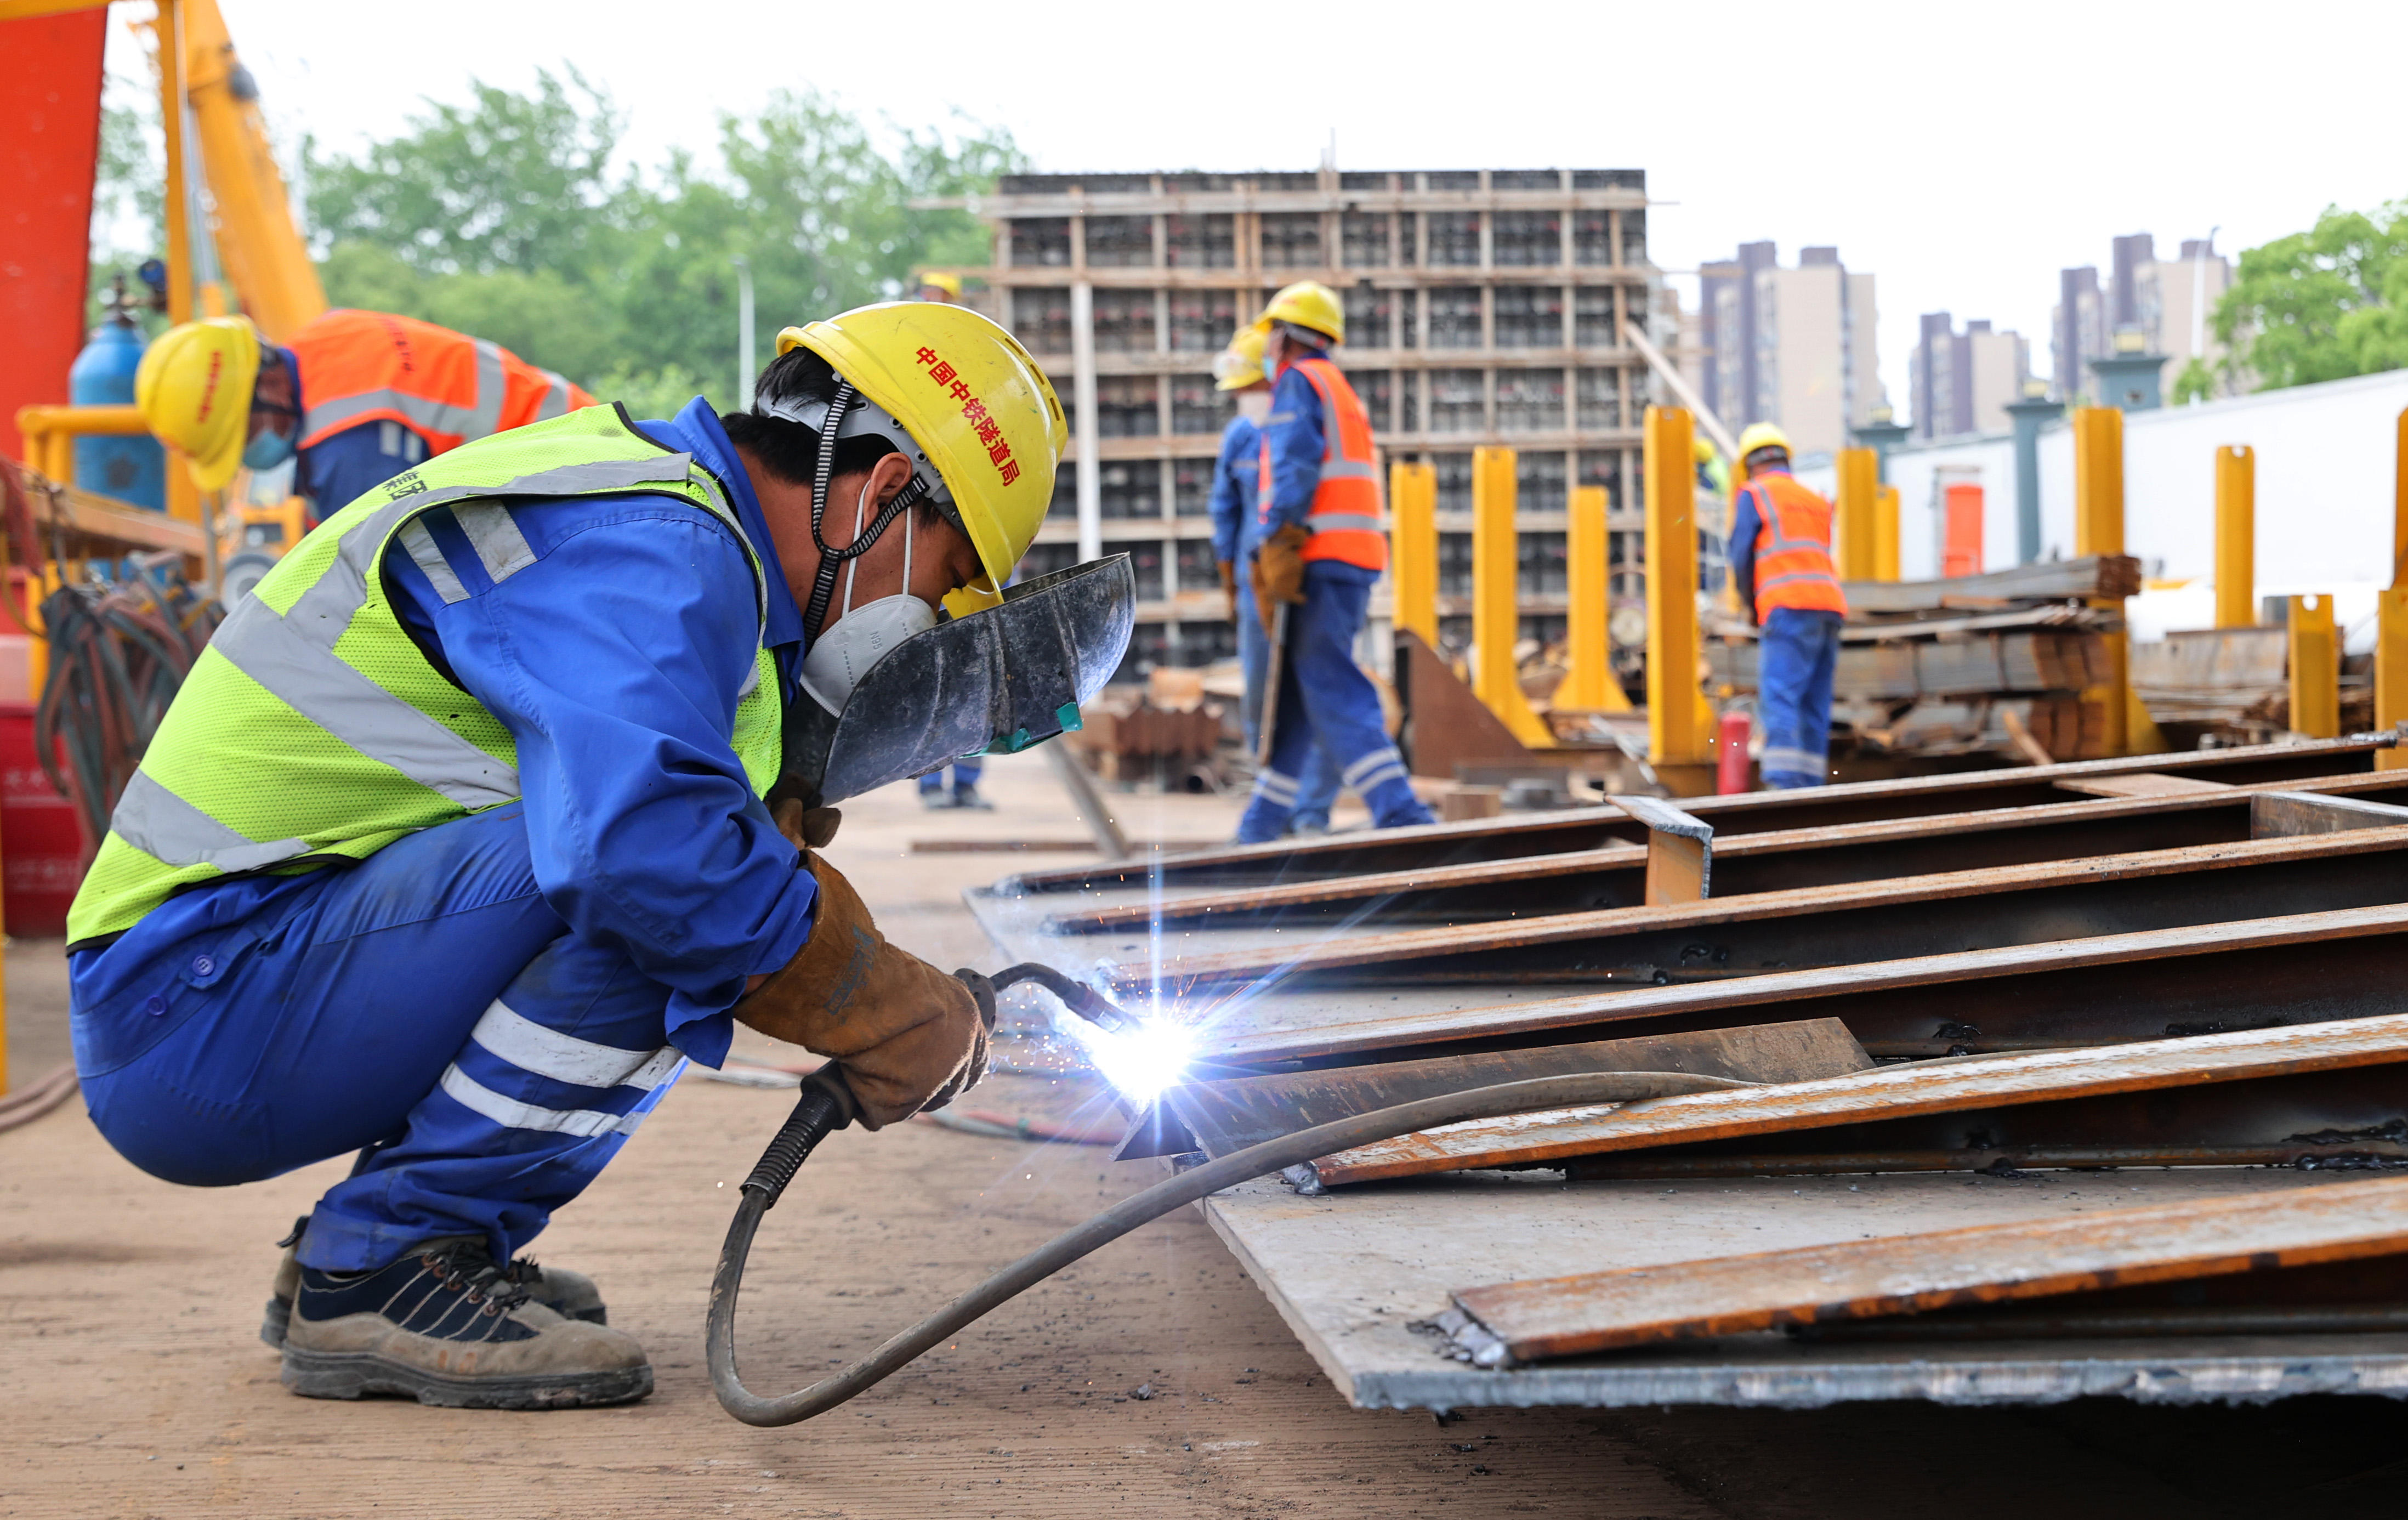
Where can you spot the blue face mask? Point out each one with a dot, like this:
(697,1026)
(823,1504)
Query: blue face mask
(268,451)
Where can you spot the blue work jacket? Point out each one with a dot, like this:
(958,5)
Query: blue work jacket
(1237,483)
(613,660)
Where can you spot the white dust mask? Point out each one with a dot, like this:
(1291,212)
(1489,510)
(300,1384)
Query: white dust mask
(1253,405)
(860,637)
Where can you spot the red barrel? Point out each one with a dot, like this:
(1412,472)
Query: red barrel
(41,843)
(1730,757)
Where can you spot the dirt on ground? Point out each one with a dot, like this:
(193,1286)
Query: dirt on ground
(1152,1379)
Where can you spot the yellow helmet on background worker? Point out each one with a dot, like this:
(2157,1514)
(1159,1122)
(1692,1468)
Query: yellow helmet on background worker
(1241,364)
(195,386)
(1308,304)
(1701,449)
(1761,435)
(950,285)
(982,412)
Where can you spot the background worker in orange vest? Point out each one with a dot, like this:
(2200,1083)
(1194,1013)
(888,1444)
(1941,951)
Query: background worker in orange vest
(360,395)
(1781,563)
(1322,548)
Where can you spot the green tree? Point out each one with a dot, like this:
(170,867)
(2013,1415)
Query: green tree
(509,218)
(2197,382)
(2323,303)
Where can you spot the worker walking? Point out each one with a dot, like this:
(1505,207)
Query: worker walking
(530,699)
(1322,548)
(1237,533)
(360,396)
(1781,569)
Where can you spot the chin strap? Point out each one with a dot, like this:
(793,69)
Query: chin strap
(833,560)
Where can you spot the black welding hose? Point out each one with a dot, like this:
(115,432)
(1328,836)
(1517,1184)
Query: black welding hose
(786,1153)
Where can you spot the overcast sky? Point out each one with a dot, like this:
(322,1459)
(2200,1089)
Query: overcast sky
(1961,153)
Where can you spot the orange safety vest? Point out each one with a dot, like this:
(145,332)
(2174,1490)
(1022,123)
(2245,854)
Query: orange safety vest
(447,387)
(1793,548)
(1344,517)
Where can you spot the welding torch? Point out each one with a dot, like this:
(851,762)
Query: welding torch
(825,1106)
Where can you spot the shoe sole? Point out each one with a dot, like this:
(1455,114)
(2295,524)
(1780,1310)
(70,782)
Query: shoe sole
(279,1319)
(314,1374)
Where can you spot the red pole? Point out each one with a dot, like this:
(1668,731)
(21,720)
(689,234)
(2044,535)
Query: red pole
(1731,754)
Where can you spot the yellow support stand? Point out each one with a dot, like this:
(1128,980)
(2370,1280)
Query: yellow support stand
(1590,685)
(1496,597)
(2236,536)
(2392,614)
(2315,669)
(1413,550)
(2391,671)
(1886,534)
(1679,725)
(1855,540)
(2125,726)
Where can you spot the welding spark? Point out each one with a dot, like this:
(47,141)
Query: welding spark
(1142,1057)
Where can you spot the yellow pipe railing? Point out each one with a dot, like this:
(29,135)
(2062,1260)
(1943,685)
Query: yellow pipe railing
(1885,553)
(1413,550)
(1590,685)
(1679,724)
(2315,669)
(1496,597)
(1855,505)
(2098,529)
(2236,536)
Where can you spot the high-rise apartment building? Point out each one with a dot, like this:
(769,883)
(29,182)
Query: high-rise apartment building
(1483,307)
(1791,345)
(1961,382)
(2169,302)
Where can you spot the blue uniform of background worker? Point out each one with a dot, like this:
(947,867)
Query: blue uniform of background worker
(1322,549)
(1237,533)
(1781,565)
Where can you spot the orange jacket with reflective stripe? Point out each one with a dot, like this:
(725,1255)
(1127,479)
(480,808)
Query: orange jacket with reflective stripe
(1344,517)
(1793,548)
(447,387)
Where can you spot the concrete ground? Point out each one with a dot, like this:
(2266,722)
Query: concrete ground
(133,1385)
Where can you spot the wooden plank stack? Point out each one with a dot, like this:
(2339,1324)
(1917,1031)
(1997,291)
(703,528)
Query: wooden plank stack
(1937,666)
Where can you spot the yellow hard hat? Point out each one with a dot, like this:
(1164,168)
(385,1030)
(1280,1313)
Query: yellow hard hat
(1762,435)
(950,285)
(1241,364)
(976,404)
(1701,449)
(194,385)
(1308,303)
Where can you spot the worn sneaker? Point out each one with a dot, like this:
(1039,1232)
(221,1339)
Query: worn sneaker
(935,801)
(967,796)
(569,1295)
(447,1326)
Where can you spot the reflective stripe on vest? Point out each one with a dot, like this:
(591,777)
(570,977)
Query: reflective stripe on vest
(447,387)
(320,732)
(1793,560)
(1344,516)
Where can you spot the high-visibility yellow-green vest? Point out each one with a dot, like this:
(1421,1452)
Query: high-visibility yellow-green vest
(312,731)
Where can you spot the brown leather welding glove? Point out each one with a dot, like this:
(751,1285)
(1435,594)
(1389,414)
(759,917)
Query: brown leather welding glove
(905,1031)
(805,828)
(1278,570)
(1229,587)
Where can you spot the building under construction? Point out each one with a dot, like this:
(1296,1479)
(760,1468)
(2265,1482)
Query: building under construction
(1483,307)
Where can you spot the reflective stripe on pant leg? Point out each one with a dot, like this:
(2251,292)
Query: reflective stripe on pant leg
(557,1072)
(1339,698)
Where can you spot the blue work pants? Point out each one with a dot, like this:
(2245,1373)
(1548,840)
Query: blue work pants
(1795,657)
(426,1002)
(966,775)
(1318,790)
(1324,696)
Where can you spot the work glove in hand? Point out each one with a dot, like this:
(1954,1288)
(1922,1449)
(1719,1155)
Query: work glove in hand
(905,1031)
(1229,587)
(1278,570)
(805,828)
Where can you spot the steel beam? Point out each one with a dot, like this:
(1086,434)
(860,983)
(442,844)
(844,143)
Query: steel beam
(1612,875)
(1838,926)
(1584,828)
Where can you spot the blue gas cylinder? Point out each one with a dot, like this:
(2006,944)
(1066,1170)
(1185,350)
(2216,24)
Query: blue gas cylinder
(131,469)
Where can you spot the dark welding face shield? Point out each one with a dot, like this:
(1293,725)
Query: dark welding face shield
(995,681)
